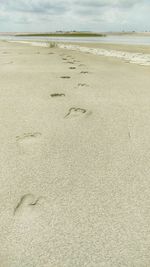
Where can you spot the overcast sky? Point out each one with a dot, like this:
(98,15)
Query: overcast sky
(93,15)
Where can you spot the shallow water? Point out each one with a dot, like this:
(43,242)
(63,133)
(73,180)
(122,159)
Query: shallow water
(132,40)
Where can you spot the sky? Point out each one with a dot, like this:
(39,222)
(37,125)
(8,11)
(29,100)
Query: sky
(79,15)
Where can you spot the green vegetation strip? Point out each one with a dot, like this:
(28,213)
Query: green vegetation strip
(64,34)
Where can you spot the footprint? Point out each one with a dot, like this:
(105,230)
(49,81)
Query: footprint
(84,72)
(82,65)
(27,203)
(27,136)
(64,58)
(83,84)
(65,77)
(70,62)
(74,112)
(56,94)
(26,142)
(72,68)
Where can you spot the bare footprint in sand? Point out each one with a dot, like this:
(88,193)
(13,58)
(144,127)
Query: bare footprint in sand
(65,77)
(57,95)
(75,112)
(23,141)
(84,72)
(72,68)
(70,62)
(83,84)
(82,65)
(27,204)
(26,137)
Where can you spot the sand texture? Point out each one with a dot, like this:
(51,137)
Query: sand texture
(75,159)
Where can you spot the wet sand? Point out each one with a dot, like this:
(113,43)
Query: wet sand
(145,49)
(75,149)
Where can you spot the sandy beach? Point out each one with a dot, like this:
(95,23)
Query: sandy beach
(75,158)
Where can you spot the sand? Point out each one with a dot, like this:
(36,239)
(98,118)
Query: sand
(131,54)
(130,57)
(75,159)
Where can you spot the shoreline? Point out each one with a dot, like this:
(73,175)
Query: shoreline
(124,52)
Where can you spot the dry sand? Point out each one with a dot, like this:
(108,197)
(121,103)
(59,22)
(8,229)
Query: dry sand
(75,167)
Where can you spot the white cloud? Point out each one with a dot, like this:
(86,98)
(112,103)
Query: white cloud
(96,15)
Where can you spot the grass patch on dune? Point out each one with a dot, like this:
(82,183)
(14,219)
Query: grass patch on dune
(52,44)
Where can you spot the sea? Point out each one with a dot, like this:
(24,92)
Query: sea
(112,39)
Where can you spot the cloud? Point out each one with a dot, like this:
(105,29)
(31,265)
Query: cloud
(74,14)
(107,3)
(38,6)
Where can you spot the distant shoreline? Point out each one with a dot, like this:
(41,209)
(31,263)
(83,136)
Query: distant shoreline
(76,34)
